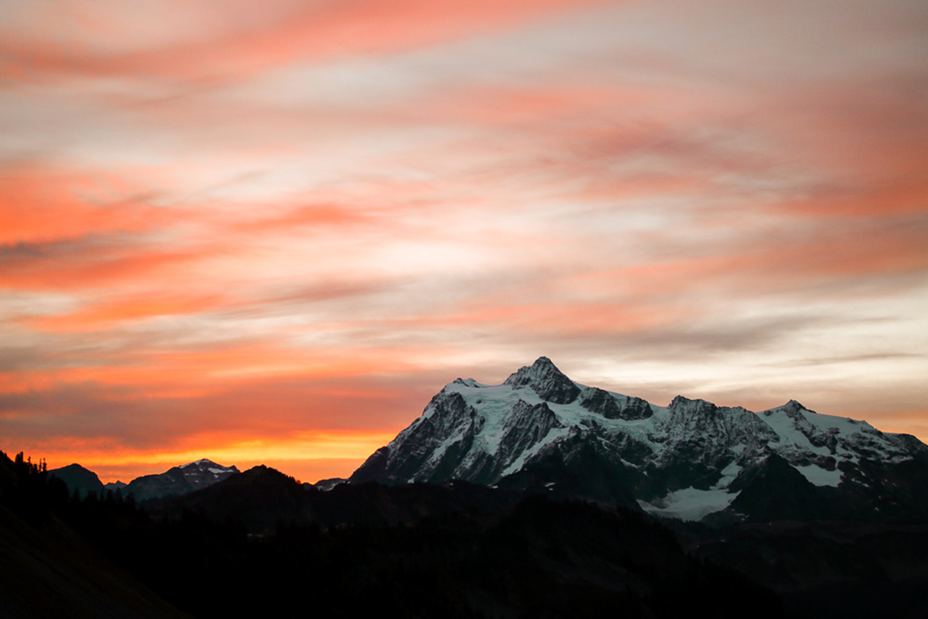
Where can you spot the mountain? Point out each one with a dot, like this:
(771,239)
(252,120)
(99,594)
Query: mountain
(541,432)
(179,480)
(116,486)
(329,483)
(176,481)
(78,479)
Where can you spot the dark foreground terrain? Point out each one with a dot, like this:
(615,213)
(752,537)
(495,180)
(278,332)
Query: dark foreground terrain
(260,543)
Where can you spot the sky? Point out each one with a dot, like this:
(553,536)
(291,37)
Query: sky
(269,232)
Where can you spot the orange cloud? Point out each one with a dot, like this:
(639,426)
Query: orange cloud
(41,203)
(91,262)
(110,313)
(246,42)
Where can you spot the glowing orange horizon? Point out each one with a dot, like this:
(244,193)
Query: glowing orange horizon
(328,455)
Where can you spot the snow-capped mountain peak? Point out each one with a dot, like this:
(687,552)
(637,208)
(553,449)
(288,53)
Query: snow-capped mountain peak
(198,463)
(180,479)
(794,405)
(205,466)
(545,379)
(540,429)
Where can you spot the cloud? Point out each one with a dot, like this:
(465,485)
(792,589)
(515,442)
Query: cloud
(301,219)
(45,203)
(242,40)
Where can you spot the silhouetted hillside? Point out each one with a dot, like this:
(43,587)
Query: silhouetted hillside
(262,497)
(532,558)
(78,479)
(260,543)
(47,569)
(828,569)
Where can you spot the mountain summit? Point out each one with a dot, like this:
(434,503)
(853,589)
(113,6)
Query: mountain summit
(78,479)
(539,431)
(546,380)
(179,480)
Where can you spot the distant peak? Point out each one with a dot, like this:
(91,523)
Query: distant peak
(264,472)
(73,468)
(206,463)
(199,462)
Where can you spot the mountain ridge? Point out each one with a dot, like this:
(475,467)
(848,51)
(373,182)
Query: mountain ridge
(177,480)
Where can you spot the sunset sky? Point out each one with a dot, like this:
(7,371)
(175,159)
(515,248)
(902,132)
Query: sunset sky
(270,231)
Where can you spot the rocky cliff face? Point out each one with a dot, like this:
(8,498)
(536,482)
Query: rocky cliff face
(539,431)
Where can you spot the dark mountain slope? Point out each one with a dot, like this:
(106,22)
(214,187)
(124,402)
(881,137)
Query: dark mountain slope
(179,480)
(422,551)
(262,497)
(47,569)
(827,569)
(78,479)
(269,543)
